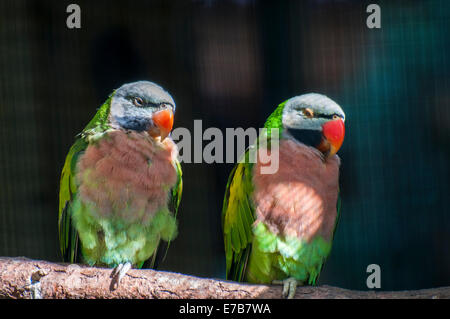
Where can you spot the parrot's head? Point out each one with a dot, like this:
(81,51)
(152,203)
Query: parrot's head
(143,106)
(314,120)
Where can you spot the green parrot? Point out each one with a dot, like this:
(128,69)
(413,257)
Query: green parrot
(278,227)
(121,183)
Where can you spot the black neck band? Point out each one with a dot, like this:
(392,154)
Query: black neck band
(307,137)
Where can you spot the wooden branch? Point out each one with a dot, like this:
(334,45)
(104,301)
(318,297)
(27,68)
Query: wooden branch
(26,278)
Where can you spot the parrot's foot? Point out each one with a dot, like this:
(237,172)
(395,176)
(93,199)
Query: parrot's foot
(118,273)
(289,286)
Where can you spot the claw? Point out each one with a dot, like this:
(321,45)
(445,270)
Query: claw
(118,273)
(289,287)
(115,270)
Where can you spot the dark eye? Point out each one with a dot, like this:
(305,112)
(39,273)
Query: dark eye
(138,101)
(335,117)
(308,112)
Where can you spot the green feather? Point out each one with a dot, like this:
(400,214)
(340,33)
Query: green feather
(237,218)
(175,200)
(275,120)
(68,235)
(253,253)
(118,241)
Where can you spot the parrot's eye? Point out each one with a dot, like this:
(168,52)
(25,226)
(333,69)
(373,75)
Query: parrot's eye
(138,102)
(169,106)
(308,112)
(335,117)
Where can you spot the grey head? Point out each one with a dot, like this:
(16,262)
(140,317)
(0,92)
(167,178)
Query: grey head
(142,106)
(315,120)
(310,111)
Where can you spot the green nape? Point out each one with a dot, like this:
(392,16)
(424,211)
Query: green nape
(275,120)
(100,118)
(112,241)
(276,258)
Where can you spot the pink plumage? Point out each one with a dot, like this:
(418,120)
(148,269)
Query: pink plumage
(300,198)
(127,175)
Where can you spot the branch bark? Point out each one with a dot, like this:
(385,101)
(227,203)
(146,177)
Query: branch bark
(25,278)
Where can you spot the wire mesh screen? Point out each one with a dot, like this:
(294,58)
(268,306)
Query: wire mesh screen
(229,63)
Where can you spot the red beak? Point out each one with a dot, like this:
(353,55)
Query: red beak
(164,122)
(334,132)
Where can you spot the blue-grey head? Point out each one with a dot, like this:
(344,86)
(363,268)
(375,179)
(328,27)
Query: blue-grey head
(315,120)
(143,106)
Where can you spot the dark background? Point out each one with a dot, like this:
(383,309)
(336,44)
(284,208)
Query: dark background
(229,63)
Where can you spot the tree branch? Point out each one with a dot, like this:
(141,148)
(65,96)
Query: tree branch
(26,278)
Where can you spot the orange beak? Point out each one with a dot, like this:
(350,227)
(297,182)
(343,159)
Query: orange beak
(333,132)
(164,122)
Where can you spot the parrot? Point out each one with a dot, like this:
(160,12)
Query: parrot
(278,227)
(121,183)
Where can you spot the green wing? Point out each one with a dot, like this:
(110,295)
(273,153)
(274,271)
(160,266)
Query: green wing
(174,203)
(177,189)
(68,235)
(237,219)
(338,212)
(175,197)
(338,217)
